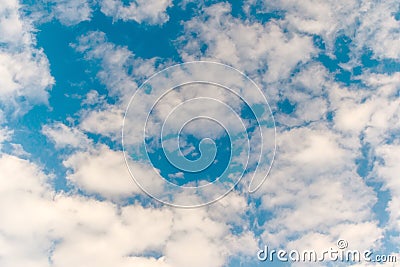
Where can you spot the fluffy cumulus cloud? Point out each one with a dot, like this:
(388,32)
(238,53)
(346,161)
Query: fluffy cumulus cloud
(68,229)
(115,61)
(68,13)
(316,177)
(379,29)
(60,222)
(25,77)
(92,168)
(314,153)
(372,23)
(96,171)
(250,45)
(337,140)
(151,11)
(64,136)
(106,119)
(72,12)
(388,172)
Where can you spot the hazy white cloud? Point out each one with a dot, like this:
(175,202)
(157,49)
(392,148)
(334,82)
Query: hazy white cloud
(24,69)
(67,12)
(14,29)
(71,12)
(387,172)
(207,240)
(372,23)
(105,119)
(64,136)
(315,173)
(147,11)
(93,168)
(314,193)
(23,186)
(115,62)
(18,151)
(314,188)
(5,135)
(378,29)
(93,98)
(102,171)
(385,118)
(68,229)
(371,109)
(107,122)
(251,46)
(306,92)
(317,17)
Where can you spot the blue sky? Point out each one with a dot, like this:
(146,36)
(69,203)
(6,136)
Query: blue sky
(330,75)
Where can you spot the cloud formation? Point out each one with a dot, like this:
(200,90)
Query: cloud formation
(25,77)
(150,11)
(337,137)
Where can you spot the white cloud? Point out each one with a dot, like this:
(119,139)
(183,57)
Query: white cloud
(314,188)
(147,11)
(5,135)
(24,70)
(179,175)
(115,61)
(202,251)
(387,172)
(102,171)
(24,75)
(313,79)
(372,23)
(384,119)
(94,168)
(14,29)
(249,46)
(107,122)
(372,109)
(317,17)
(71,12)
(68,229)
(18,150)
(313,192)
(68,12)
(23,186)
(64,136)
(306,91)
(131,231)
(315,170)
(93,97)
(378,29)
(207,240)
(355,235)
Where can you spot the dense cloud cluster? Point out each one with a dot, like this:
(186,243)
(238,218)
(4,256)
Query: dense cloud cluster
(318,191)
